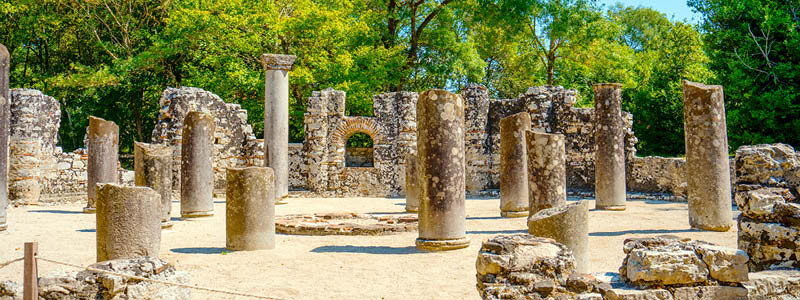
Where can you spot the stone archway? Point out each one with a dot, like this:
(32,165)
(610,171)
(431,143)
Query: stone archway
(352,125)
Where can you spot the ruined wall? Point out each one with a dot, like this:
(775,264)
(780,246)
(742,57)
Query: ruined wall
(358,157)
(234,142)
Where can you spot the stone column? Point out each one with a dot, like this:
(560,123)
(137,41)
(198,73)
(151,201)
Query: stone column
(5,101)
(128,222)
(24,172)
(276,119)
(567,224)
(412,183)
(197,166)
(440,152)
(153,169)
(547,173)
(250,209)
(609,155)
(103,144)
(514,165)
(707,165)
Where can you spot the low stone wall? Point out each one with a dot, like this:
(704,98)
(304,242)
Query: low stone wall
(766,192)
(522,266)
(655,174)
(359,157)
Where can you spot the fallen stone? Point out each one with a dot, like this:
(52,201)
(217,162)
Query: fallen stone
(765,164)
(665,267)
(760,203)
(710,293)
(774,284)
(10,290)
(769,245)
(724,264)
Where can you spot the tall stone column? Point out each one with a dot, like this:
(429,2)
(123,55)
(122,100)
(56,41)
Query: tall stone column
(567,224)
(5,101)
(103,144)
(440,152)
(153,169)
(412,183)
(250,209)
(128,222)
(197,166)
(707,165)
(276,119)
(514,166)
(609,155)
(547,172)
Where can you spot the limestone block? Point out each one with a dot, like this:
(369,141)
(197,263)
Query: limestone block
(632,294)
(774,284)
(724,264)
(710,293)
(769,244)
(665,267)
(766,164)
(759,203)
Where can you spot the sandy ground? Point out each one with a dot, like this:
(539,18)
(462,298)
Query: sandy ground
(333,267)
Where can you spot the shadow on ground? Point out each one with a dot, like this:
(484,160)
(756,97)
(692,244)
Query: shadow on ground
(487,218)
(200,250)
(57,211)
(86,230)
(366,249)
(639,231)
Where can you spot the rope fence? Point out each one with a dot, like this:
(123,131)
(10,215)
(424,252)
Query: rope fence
(31,288)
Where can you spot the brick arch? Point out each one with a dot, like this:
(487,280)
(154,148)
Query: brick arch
(353,125)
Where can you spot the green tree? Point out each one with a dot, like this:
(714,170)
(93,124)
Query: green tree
(754,47)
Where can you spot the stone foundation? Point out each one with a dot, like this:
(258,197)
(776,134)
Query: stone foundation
(344,224)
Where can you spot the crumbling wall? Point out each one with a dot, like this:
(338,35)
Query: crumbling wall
(234,142)
(37,116)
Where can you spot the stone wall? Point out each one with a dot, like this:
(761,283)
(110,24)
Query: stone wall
(234,142)
(358,157)
(766,192)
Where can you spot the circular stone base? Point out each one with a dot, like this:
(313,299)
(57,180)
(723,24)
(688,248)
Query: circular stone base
(412,210)
(167,225)
(197,214)
(344,224)
(514,214)
(613,207)
(442,245)
(89,210)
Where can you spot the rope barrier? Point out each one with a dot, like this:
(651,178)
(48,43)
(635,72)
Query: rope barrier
(3,265)
(156,281)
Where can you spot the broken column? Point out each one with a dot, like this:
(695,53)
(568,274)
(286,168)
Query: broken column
(276,119)
(566,224)
(128,222)
(153,169)
(197,166)
(514,165)
(547,173)
(412,183)
(103,144)
(440,153)
(24,172)
(609,155)
(250,209)
(707,165)
(5,101)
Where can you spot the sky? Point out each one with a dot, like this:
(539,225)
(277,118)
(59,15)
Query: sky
(674,9)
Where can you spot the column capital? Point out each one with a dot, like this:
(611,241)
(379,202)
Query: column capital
(277,62)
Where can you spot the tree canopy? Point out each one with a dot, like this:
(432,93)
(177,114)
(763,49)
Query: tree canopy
(113,58)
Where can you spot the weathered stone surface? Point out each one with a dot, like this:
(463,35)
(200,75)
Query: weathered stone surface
(760,203)
(250,209)
(774,285)
(609,155)
(153,167)
(440,150)
(670,261)
(103,143)
(344,224)
(276,119)
(24,172)
(710,293)
(476,113)
(10,290)
(655,174)
(707,164)
(631,294)
(547,179)
(128,222)
(567,224)
(5,69)
(91,285)
(769,245)
(412,183)
(514,165)
(197,166)
(511,266)
(768,164)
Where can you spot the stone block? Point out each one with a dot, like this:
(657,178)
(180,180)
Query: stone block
(710,293)
(724,264)
(664,267)
(633,294)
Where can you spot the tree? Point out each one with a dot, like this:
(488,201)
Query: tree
(754,47)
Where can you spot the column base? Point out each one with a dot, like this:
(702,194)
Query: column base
(197,214)
(3,226)
(167,224)
(89,210)
(412,209)
(442,245)
(610,207)
(514,214)
(718,228)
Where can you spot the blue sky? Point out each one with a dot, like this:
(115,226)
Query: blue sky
(674,9)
